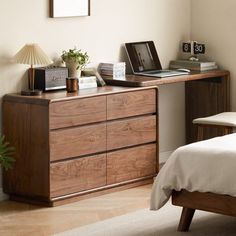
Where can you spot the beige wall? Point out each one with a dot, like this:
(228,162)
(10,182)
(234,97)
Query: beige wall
(110,25)
(214,23)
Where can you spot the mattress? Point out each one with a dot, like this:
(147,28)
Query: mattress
(205,166)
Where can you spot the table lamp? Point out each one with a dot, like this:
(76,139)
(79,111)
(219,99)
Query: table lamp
(32,54)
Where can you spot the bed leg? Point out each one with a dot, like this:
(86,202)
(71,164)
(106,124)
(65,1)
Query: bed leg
(186,218)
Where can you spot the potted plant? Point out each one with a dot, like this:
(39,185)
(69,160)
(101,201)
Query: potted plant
(75,60)
(6,152)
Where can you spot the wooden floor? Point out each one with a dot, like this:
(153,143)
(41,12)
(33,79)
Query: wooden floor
(24,219)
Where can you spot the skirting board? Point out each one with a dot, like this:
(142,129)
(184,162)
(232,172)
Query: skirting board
(164,156)
(3,196)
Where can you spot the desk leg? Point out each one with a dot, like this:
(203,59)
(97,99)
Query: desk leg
(205,97)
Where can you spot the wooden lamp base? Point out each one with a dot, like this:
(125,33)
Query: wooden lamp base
(31,92)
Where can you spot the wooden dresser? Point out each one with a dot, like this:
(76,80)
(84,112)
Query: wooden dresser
(73,145)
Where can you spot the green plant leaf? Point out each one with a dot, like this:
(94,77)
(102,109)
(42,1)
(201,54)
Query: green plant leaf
(6,152)
(77,56)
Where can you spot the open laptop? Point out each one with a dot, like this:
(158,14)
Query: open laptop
(144,60)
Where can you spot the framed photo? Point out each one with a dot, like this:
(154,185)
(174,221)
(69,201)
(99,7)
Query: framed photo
(69,8)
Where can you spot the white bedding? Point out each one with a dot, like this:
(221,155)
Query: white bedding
(206,166)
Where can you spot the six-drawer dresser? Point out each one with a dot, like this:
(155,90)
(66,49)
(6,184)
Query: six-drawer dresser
(74,145)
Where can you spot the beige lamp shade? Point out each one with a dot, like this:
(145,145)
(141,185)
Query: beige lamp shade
(32,54)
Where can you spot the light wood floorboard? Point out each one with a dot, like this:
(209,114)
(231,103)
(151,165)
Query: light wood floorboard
(25,219)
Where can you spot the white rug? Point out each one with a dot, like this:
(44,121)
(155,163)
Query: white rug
(158,223)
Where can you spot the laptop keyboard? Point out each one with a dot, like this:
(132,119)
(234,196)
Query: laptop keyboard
(157,72)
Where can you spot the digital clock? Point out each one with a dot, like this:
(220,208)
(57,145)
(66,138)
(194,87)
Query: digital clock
(194,48)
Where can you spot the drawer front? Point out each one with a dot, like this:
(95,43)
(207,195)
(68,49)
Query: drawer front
(77,175)
(131,132)
(77,112)
(131,104)
(131,163)
(78,141)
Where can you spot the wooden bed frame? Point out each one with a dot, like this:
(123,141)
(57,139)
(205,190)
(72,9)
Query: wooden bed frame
(222,204)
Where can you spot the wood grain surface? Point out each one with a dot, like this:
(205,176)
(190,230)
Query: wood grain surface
(205,98)
(62,142)
(131,104)
(218,203)
(132,131)
(25,127)
(145,81)
(77,112)
(77,175)
(131,163)
(73,142)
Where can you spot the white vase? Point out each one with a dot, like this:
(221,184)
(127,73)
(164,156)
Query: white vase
(72,69)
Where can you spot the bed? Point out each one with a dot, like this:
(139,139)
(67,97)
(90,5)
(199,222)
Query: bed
(199,176)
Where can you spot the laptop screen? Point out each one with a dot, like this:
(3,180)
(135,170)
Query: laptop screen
(143,56)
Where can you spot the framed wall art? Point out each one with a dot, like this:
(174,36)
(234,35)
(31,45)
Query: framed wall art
(69,8)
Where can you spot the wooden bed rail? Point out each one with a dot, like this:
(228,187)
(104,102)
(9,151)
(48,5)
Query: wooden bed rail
(191,201)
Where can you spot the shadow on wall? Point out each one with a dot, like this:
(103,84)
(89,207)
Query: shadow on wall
(14,77)
(4,60)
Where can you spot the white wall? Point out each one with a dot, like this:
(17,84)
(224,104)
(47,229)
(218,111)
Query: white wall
(214,23)
(110,25)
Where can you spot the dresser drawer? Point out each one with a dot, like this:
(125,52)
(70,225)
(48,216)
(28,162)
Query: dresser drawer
(131,163)
(73,142)
(77,175)
(131,131)
(131,104)
(77,112)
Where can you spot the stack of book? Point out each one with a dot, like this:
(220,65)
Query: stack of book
(94,72)
(193,65)
(87,82)
(116,70)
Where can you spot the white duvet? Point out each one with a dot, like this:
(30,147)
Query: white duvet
(206,166)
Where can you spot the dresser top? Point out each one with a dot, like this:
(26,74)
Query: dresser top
(56,96)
